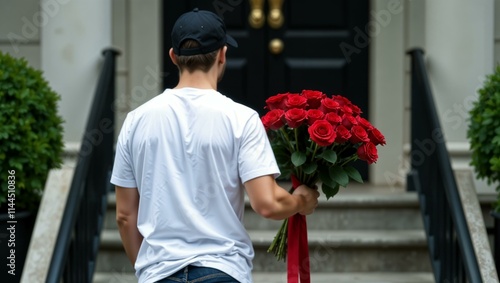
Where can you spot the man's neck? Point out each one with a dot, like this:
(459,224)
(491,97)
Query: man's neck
(198,79)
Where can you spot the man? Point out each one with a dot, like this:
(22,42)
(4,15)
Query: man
(181,161)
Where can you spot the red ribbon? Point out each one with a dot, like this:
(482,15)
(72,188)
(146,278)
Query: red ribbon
(298,250)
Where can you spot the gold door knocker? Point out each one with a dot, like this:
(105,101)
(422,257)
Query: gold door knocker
(256,18)
(275,17)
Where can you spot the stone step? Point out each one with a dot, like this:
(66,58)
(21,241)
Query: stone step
(330,251)
(316,277)
(353,251)
(349,210)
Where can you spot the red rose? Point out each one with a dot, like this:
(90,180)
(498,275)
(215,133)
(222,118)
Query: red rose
(322,133)
(329,105)
(341,100)
(364,123)
(276,101)
(295,101)
(358,134)
(368,152)
(273,119)
(343,134)
(313,97)
(346,110)
(333,118)
(348,121)
(355,109)
(376,137)
(295,117)
(314,115)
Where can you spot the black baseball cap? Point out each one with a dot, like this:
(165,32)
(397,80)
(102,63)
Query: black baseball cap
(205,27)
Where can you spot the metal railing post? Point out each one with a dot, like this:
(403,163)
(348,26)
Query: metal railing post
(74,255)
(450,245)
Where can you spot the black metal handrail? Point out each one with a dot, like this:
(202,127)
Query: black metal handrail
(78,239)
(431,175)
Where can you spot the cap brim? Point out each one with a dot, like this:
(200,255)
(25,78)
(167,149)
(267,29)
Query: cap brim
(231,41)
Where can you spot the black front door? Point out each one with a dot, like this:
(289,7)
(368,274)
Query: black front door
(312,48)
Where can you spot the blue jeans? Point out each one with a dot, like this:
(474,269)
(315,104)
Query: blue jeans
(195,274)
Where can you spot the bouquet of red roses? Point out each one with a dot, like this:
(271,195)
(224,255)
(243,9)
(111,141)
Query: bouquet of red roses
(315,138)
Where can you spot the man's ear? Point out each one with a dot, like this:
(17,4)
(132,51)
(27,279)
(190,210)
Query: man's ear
(172,55)
(222,55)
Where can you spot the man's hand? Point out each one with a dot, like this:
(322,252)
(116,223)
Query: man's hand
(309,196)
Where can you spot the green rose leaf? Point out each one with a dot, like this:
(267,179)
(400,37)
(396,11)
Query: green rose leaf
(282,159)
(298,158)
(353,174)
(330,156)
(329,191)
(338,174)
(310,168)
(281,154)
(324,176)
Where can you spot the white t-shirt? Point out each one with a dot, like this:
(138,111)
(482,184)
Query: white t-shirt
(188,151)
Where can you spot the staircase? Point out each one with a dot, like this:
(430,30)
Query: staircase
(362,235)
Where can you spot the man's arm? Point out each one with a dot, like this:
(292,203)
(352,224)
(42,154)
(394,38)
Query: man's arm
(270,200)
(127,208)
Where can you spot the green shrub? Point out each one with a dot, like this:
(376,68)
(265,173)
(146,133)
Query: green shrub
(31,141)
(484,132)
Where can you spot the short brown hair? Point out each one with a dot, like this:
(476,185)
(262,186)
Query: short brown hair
(192,63)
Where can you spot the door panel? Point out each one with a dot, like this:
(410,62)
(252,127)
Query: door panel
(312,58)
(325,15)
(315,70)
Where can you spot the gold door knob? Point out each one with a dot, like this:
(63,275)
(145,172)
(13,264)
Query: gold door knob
(276,46)
(275,17)
(256,17)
